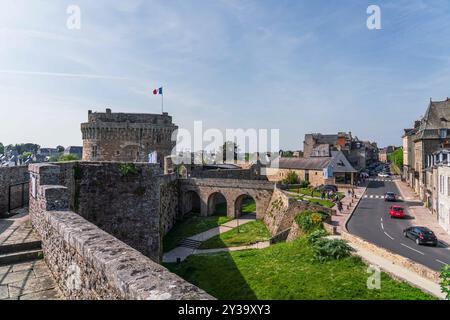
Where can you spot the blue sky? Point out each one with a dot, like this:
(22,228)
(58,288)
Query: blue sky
(297,66)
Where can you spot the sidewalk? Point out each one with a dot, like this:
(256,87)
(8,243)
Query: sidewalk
(183,252)
(23,280)
(422,216)
(399,272)
(349,203)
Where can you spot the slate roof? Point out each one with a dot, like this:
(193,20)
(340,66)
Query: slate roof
(437,117)
(337,161)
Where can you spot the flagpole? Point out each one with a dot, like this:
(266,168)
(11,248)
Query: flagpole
(162,102)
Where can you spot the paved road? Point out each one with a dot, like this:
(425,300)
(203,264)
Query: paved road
(371,222)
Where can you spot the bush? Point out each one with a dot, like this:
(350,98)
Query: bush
(304,184)
(445,281)
(310,221)
(291,178)
(327,249)
(314,236)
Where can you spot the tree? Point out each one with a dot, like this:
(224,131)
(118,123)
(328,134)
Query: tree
(67,157)
(60,149)
(229,147)
(445,281)
(26,154)
(291,178)
(396,158)
(2,148)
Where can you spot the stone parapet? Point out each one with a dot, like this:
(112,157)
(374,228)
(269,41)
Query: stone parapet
(88,263)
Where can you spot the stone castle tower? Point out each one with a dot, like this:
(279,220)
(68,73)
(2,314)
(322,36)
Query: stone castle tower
(127,136)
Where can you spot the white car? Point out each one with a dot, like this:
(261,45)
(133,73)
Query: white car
(383,175)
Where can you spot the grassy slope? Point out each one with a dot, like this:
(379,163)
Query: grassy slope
(250,233)
(190,227)
(286,271)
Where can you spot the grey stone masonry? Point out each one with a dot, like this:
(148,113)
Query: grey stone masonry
(10,176)
(89,263)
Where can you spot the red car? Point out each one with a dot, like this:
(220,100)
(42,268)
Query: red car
(397,212)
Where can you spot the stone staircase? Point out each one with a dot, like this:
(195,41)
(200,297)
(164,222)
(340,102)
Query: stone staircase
(188,243)
(20,252)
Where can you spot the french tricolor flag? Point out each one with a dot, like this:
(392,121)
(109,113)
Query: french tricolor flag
(158,91)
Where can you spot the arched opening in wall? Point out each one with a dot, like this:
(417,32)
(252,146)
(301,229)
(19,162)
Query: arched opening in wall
(245,205)
(217,205)
(192,203)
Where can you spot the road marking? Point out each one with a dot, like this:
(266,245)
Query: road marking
(371,196)
(441,262)
(382,226)
(388,235)
(412,249)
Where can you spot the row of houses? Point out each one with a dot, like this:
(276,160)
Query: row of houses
(328,159)
(426,157)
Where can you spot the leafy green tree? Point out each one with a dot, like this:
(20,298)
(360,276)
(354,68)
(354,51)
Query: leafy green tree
(67,157)
(445,281)
(26,154)
(60,149)
(396,158)
(291,178)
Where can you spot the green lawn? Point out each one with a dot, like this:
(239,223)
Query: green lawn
(249,233)
(321,202)
(248,206)
(287,271)
(190,227)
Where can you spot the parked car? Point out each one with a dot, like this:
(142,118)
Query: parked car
(390,196)
(327,187)
(383,175)
(396,212)
(421,235)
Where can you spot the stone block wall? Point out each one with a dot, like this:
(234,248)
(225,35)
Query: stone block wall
(88,263)
(10,176)
(282,210)
(133,202)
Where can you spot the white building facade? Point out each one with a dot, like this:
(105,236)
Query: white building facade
(443,188)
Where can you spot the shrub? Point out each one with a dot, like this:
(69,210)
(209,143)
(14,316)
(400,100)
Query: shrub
(127,168)
(305,184)
(327,249)
(314,236)
(309,221)
(445,281)
(291,178)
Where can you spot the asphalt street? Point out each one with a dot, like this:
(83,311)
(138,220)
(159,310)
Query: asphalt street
(371,221)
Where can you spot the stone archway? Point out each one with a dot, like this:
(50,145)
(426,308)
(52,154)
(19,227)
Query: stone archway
(191,203)
(245,204)
(217,204)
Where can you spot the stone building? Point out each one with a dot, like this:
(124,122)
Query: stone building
(127,136)
(430,134)
(360,153)
(334,169)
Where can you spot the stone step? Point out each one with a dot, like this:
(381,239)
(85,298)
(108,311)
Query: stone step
(188,243)
(18,247)
(20,257)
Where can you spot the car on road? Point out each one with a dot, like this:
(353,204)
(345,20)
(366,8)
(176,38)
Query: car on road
(383,175)
(397,212)
(421,235)
(390,196)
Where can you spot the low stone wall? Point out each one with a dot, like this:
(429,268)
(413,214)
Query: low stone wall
(134,202)
(282,210)
(88,263)
(10,176)
(394,258)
